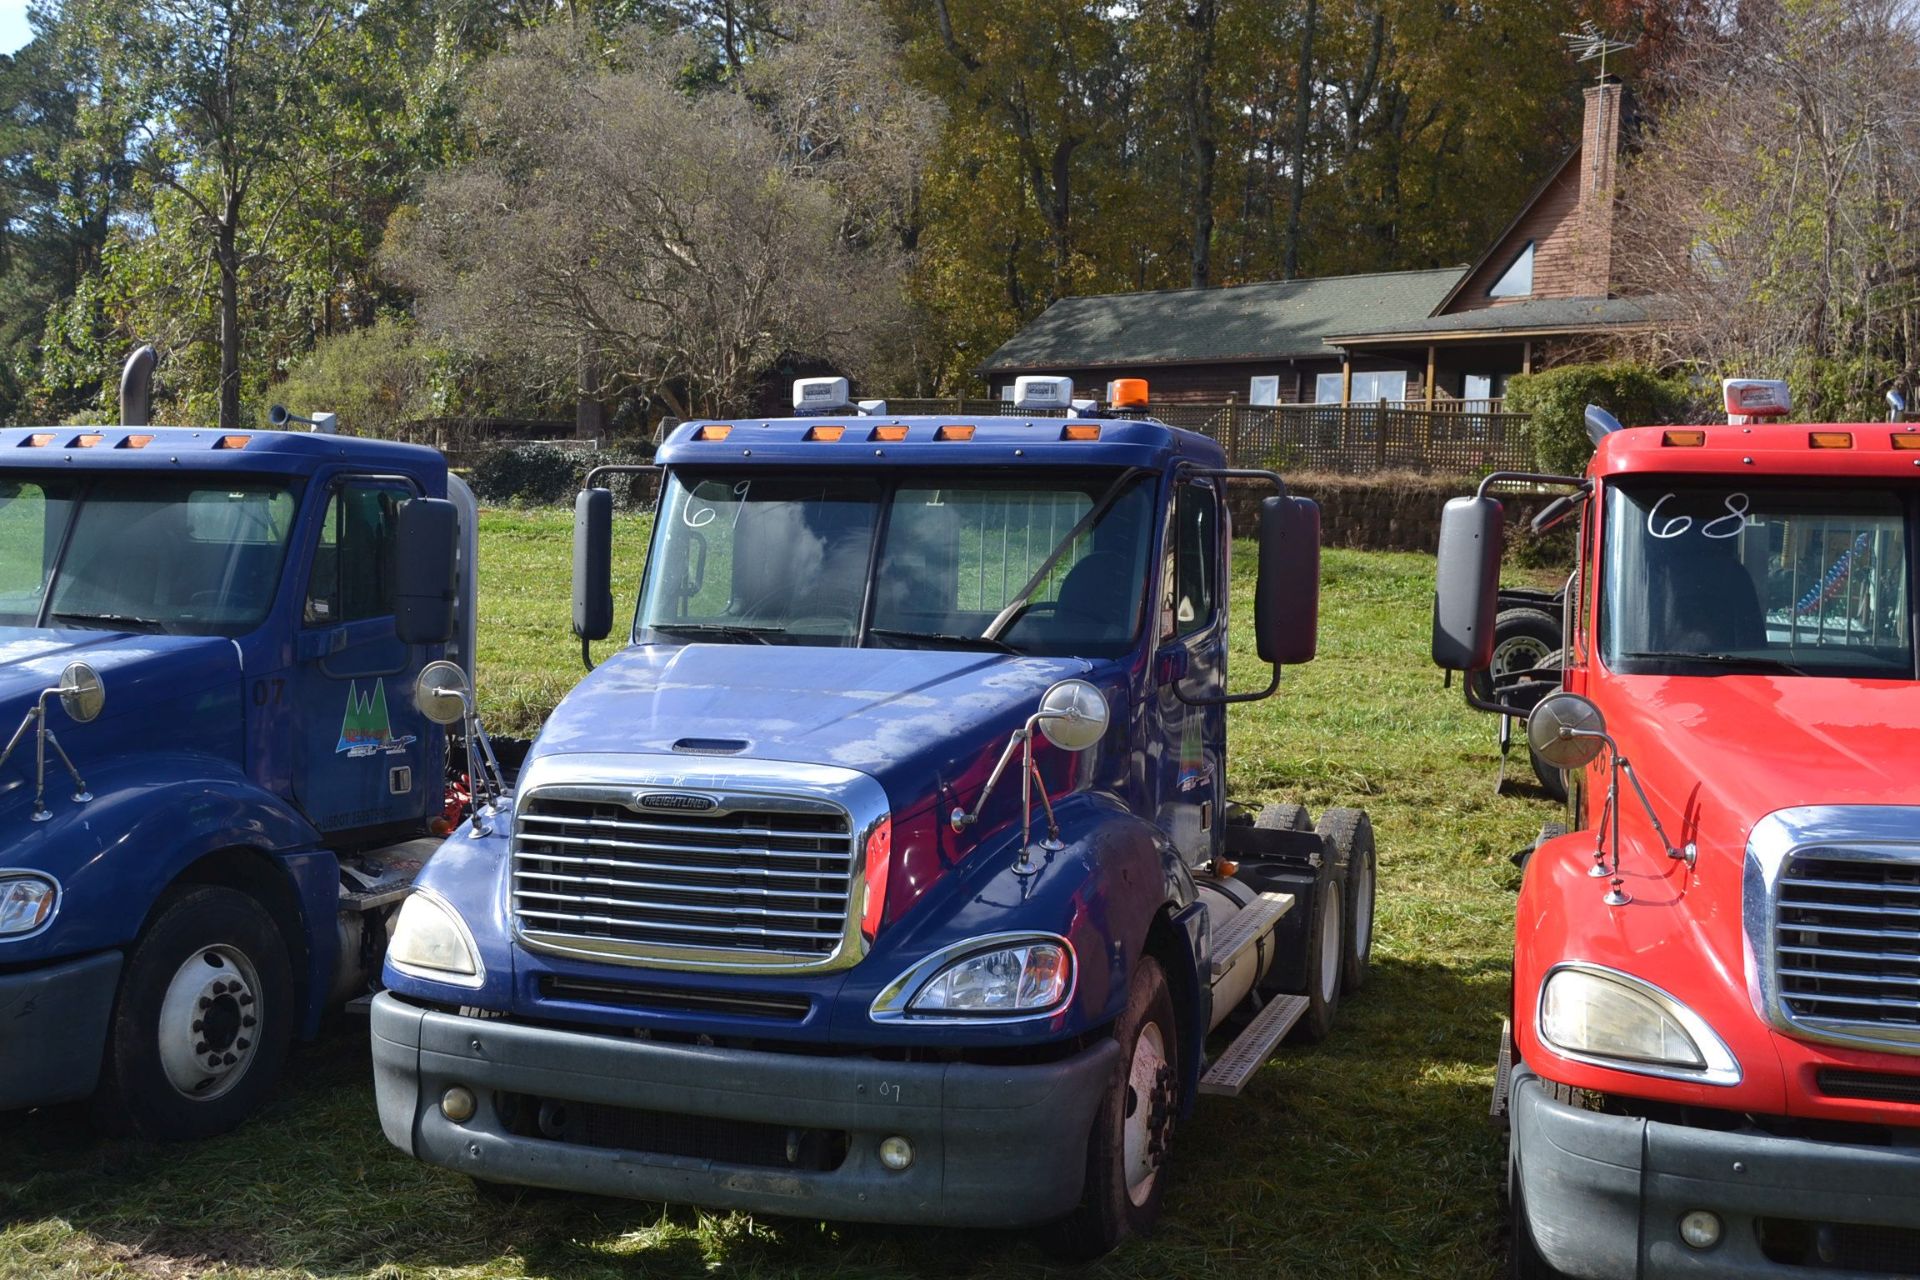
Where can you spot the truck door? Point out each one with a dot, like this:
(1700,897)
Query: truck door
(359,740)
(1190,775)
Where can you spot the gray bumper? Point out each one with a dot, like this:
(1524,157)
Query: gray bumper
(53,1029)
(1605,1194)
(993,1146)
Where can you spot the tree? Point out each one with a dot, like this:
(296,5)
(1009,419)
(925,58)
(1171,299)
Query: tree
(611,221)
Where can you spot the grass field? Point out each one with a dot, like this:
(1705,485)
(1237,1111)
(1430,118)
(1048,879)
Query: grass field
(1368,1155)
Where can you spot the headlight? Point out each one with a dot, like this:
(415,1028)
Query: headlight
(1023,979)
(1602,1015)
(431,941)
(26,903)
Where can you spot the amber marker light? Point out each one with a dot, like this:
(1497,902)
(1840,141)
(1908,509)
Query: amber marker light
(232,442)
(1830,439)
(38,440)
(888,435)
(87,441)
(135,442)
(1906,440)
(825,433)
(1080,431)
(954,432)
(1129,393)
(1684,439)
(713,431)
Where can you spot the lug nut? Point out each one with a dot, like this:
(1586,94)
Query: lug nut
(243,1043)
(198,1025)
(246,998)
(206,1002)
(201,1047)
(213,1059)
(248,1021)
(229,1060)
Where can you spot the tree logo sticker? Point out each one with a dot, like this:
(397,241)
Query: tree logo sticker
(366,729)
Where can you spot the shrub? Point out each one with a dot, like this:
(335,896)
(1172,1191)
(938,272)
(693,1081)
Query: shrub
(539,475)
(375,378)
(1557,401)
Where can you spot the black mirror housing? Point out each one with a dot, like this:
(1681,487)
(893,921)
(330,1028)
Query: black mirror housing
(1467,583)
(1286,597)
(428,536)
(593,564)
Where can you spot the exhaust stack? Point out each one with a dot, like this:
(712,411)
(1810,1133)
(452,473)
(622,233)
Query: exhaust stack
(136,388)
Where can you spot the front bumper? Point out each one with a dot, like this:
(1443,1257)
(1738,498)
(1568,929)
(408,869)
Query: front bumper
(993,1145)
(1605,1194)
(53,1029)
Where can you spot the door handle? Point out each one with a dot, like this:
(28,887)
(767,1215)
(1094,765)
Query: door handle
(1170,665)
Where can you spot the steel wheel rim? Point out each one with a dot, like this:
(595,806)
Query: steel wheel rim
(209,1022)
(1363,909)
(1148,1113)
(1330,945)
(1516,654)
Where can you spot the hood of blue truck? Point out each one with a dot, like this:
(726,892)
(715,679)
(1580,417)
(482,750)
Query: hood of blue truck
(898,715)
(135,670)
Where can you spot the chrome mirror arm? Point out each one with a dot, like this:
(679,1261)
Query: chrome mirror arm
(1607,843)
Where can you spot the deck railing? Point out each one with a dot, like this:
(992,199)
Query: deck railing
(1450,438)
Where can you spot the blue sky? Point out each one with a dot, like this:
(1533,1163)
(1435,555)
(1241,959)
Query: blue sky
(14,30)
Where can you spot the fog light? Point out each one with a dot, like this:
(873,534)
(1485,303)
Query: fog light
(1700,1229)
(457,1104)
(896,1153)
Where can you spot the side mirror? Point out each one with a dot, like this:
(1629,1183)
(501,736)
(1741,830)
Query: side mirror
(1467,583)
(1286,597)
(1566,730)
(593,564)
(424,570)
(1073,715)
(81,693)
(441,692)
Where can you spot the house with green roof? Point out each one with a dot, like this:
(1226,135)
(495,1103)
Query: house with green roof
(1449,337)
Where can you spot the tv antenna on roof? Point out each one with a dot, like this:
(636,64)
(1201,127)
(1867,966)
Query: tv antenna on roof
(1590,44)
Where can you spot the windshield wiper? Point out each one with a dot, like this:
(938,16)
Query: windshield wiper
(1722,659)
(115,621)
(966,642)
(758,635)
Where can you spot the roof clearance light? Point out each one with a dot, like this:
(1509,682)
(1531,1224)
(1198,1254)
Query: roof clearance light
(825,433)
(86,441)
(1080,431)
(713,431)
(232,442)
(954,432)
(1748,399)
(820,395)
(38,440)
(1042,393)
(1127,393)
(1830,439)
(888,434)
(1684,439)
(134,442)
(1906,440)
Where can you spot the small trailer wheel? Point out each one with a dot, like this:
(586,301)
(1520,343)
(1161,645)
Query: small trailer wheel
(202,1021)
(1127,1148)
(1348,835)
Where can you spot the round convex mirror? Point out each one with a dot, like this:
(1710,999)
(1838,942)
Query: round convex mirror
(1073,715)
(1563,730)
(81,693)
(441,692)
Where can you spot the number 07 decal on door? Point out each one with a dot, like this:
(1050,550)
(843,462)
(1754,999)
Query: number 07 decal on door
(366,729)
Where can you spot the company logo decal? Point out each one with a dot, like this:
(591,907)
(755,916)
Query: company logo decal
(679,801)
(366,729)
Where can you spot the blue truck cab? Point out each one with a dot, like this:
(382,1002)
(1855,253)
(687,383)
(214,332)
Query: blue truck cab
(216,783)
(887,872)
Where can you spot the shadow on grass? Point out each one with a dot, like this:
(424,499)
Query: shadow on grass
(1374,1143)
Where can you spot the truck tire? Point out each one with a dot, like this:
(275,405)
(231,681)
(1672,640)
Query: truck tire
(1326,946)
(1553,781)
(202,1020)
(1348,834)
(1284,817)
(1522,639)
(1127,1148)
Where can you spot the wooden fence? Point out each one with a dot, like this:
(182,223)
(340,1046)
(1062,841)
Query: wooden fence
(1349,439)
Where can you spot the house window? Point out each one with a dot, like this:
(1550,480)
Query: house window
(1264,390)
(1326,389)
(1518,280)
(1367,387)
(1479,388)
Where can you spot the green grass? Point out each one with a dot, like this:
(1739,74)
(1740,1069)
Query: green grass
(1368,1155)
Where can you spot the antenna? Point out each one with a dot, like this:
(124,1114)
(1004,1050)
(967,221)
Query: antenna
(1590,44)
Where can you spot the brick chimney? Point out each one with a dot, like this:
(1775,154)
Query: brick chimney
(1599,159)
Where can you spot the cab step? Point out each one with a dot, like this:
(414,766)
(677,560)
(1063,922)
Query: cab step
(1230,1072)
(1503,1071)
(1252,923)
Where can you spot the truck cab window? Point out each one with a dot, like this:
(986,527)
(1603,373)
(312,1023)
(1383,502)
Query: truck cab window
(352,575)
(1196,529)
(1711,579)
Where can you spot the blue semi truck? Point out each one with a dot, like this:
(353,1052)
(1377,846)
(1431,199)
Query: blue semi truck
(218,779)
(887,872)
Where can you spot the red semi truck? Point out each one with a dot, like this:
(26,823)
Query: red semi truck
(1713,1060)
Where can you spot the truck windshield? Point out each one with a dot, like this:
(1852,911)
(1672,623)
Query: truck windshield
(1029,563)
(135,552)
(1708,579)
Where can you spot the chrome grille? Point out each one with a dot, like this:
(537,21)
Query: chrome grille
(1847,939)
(758,880)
